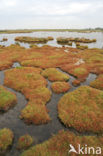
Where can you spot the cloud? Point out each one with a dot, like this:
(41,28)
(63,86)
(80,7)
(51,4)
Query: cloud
(71,8)
(79,7)
(7,3)
(65,12)
(42,7)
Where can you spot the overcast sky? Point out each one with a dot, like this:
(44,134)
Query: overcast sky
(38,14)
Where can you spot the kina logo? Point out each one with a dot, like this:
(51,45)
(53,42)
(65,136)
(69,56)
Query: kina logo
(85,150)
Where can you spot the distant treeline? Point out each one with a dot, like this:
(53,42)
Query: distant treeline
(99,29)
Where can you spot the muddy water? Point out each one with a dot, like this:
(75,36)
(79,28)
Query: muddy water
(94,35)
(40,133)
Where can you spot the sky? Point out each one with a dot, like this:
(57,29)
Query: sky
(51,14)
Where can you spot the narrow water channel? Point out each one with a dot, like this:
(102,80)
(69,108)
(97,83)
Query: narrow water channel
(40,133)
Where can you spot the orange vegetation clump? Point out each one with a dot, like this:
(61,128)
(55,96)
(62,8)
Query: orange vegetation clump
(59,145)
(7,99)
(79,71)
(50,38)
(98,83)
(10,54)
(45,57)
(82,109)
(35,112)
(93,60)
(82,47)
(29,81)
(67,59)
(62,40)
(60,87)
(4,39)
(6,139)
(27,39)
(76,83)
(54,75)
(24,142)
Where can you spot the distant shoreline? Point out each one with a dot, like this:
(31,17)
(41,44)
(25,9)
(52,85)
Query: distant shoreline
(52,30)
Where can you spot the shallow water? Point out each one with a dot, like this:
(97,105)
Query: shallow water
(40,133)
(93,35)
(16,64)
